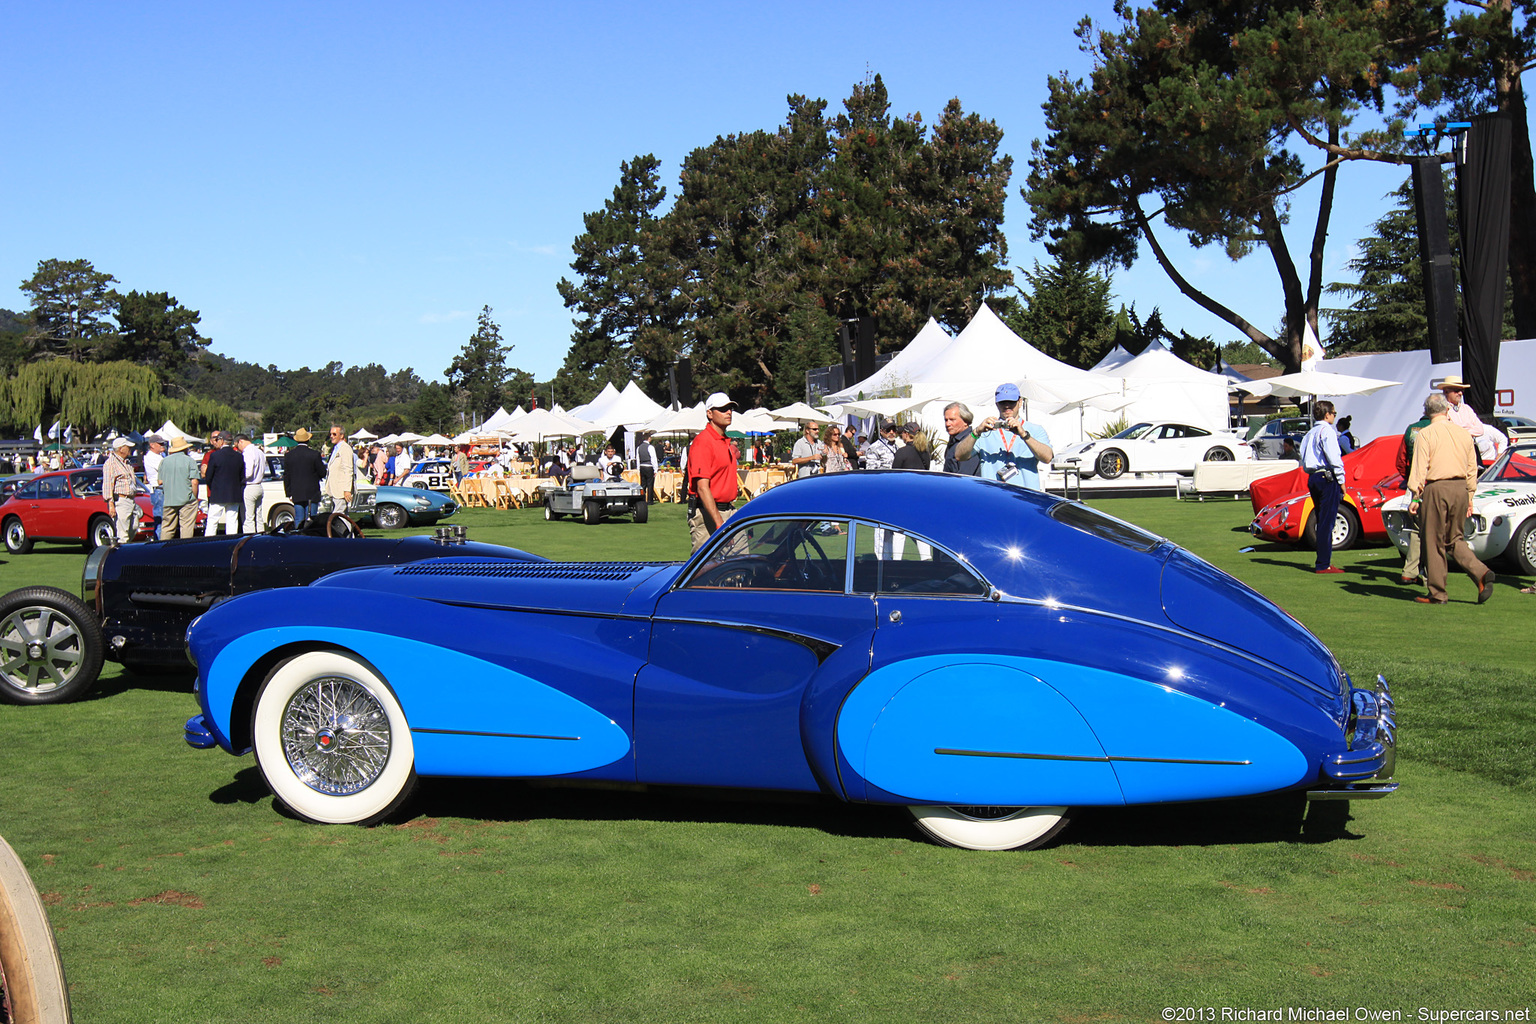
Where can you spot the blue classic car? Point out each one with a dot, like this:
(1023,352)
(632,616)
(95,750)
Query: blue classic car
(984,655)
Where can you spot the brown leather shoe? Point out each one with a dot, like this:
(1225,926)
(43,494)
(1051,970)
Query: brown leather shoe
(1485,588)
(1422,599)
(1410,580)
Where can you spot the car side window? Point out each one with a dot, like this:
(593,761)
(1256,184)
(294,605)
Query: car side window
(52,487)
(86,485)
(30,491)
(779,554)
(887,561)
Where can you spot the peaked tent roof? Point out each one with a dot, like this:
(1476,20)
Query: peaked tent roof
(171,432)
(1114,358)
(630,408)
(1163,386)
(898,373)
(498,420)
(596,408)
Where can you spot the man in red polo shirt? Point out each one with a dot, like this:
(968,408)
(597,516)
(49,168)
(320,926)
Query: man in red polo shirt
(712,479)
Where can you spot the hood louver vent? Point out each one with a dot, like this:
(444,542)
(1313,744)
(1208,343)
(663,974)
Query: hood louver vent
(529,570)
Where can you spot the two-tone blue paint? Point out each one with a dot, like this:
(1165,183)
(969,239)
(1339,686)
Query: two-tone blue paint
(1010,731)
(1105,667)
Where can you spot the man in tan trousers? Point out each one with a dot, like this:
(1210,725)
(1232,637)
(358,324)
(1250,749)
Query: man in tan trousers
(1443,481)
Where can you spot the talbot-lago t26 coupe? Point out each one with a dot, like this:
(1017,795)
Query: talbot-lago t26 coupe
(987,656)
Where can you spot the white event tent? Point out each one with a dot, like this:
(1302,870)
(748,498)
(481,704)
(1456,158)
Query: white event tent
(629,408)
(1067,401)
(1390,411)
(593,410)
(1161,386)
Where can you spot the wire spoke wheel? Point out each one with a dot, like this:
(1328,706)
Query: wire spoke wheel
(332,741)
(335,736)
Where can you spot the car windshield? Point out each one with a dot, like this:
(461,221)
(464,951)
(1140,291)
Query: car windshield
(1516,465)
(1131,433)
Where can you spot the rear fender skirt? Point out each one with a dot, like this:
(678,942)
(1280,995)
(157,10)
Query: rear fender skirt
(1006,731)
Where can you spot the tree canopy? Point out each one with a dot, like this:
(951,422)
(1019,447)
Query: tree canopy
(1205,117)
(72,307)
(778,236)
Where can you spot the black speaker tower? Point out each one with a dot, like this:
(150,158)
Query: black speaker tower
(864,362)
(1435,259)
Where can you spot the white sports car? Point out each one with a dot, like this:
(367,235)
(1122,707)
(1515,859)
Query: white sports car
(1153,448)
(1503,519)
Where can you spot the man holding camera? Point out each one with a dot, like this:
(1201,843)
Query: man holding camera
(1010,449)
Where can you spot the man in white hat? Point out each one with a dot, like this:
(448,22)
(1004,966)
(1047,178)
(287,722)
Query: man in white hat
(118,486)
(712,477)
(1461,414)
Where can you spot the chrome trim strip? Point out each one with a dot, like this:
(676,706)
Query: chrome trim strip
(823,649)
(1354,792)
(498,735)
(619,616)
(1077,757)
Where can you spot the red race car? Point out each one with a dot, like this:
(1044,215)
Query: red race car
(1373,476)
(66,506)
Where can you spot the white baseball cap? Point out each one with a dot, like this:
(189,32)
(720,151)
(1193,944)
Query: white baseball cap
(719,400)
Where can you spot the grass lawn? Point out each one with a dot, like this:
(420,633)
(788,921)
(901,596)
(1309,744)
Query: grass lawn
(178,894)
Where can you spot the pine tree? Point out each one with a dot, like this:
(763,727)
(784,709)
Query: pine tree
(480,368)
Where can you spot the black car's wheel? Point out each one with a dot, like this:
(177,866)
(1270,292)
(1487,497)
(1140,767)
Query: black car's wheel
(418,485)
(642,511)
(16,540)
(1219,454)
(331,740)
(389,517)
(591,513)
(1346,529)
(50,646)
(991,828)
(280,518)
(100,534)
(1522,548)
(550,514)
(1112,463)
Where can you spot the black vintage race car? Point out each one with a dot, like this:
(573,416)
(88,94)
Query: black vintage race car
(136,600)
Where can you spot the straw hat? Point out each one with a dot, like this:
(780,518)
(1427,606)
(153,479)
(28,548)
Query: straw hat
(1453,382)
(301,435)
(181,444)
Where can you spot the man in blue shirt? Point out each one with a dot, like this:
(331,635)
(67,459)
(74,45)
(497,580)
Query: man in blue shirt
(1011,450)
(1324,463)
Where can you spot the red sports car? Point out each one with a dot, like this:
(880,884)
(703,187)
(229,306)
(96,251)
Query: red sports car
(1372,477)
(66,506)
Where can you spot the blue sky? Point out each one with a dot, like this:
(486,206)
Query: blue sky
(353,181)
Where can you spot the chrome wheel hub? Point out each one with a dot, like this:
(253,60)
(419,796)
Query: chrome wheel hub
(40,649)
(336,736)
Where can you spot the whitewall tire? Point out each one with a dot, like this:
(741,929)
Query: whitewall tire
(991,828)
(332,741)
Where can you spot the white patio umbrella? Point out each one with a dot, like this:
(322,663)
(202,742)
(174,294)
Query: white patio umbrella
(802,413)
(1308,383)
(362,435)
(436,439)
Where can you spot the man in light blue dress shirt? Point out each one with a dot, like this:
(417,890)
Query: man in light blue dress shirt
(1324,463)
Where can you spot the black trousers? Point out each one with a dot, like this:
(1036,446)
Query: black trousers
(648,482)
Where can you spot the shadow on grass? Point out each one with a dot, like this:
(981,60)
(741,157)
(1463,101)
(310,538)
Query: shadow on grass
(157,680)
(1283,818)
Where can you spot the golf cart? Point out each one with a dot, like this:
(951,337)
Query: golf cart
(588,495)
